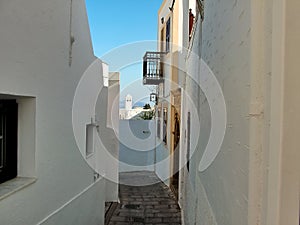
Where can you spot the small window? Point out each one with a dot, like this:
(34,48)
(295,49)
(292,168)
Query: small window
(89,140)
(162,34)
(200,9)
(8,139)
(165,124)
(168,35)
(191,23)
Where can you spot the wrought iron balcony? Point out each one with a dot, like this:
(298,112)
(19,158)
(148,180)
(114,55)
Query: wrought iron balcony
(153,68)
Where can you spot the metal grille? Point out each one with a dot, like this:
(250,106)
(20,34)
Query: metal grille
(153,68)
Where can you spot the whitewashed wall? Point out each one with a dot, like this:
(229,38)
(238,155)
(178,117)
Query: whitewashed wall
(107,145)
(230,62)
(219,194)
(162,161)
(36,60)
(112,164)
(251,48)
(137,142)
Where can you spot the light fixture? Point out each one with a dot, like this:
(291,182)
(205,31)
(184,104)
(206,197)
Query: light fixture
(153,98)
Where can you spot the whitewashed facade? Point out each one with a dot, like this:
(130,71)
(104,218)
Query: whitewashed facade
(45,50)
(253,179)
(251,48)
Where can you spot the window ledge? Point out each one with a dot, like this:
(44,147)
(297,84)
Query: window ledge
(90,155)
(12,186)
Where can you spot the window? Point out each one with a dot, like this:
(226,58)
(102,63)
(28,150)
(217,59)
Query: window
(165,123)
(17,143)
(89,140)
(188,151)
(161,65)
(162,34)
(168,35)
(8,139)
(191,23)
(200,8)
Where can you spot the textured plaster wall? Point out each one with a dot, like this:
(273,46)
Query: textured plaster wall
(36,60)
(193,197)
(137,141)
(162,159)
(252,49)
(222,190)
(79,211)
(226,49)
(112,166)
(107,149)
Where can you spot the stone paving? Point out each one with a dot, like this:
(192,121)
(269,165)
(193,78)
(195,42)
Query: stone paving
(146,204)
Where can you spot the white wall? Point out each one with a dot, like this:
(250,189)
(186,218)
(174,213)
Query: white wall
(78,210)
(162,165)
(137,141)
(35,61)
(127,114)
(112,166)
(108,144)
(251,47)
(221,190)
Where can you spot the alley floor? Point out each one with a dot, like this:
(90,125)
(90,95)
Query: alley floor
(144,199)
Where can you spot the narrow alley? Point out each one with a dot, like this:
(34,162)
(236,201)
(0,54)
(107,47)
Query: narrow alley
(149,112)
(142,203)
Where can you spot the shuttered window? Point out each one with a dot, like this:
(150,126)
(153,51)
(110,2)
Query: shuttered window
(168,35)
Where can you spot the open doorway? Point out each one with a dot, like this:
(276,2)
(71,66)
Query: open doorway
(175,140)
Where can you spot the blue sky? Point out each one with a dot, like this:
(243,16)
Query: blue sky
(115,28)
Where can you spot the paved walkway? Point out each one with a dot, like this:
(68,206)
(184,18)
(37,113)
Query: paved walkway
(151,204)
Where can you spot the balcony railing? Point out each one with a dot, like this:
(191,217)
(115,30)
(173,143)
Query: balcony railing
(153,68)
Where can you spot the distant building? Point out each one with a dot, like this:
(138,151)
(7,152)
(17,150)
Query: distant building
(128,102)
(130,112)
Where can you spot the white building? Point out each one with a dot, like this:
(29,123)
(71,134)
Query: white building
(129,112)
(252,49)
(126,114)
(61,178)
(128,102)
(248,53)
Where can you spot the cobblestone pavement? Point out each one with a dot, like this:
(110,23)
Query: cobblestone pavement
(147,204)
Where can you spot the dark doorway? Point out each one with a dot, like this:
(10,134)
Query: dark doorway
(8,139)
(176,139)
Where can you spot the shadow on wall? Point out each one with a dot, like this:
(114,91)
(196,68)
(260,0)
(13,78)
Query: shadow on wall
(137,144)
